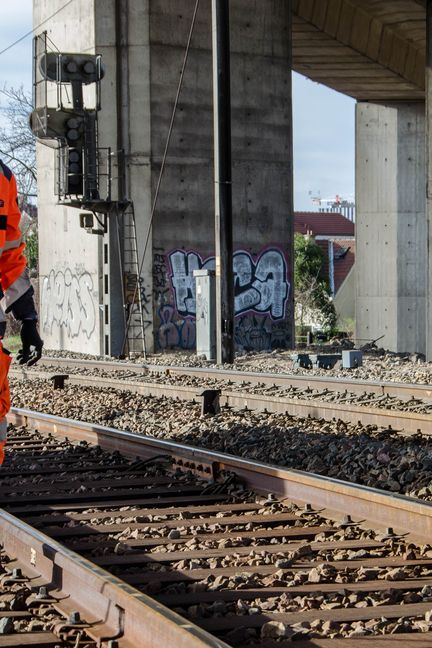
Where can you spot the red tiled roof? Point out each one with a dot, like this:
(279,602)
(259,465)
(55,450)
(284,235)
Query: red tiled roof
(323,224)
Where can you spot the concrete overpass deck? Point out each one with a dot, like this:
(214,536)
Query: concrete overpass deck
(372,50)
(367,49)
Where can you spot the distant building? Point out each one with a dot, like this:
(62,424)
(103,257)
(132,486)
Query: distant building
(335,235)
(338,205)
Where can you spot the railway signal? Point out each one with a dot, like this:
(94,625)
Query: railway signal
(71,123)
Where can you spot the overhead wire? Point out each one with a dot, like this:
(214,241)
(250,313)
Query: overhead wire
(162,169)
(168,140)
(29,33)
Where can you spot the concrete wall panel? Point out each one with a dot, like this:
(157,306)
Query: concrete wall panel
(183,233)
(143,54)
(70,276)
(390,227)
(137,124)
(344,300)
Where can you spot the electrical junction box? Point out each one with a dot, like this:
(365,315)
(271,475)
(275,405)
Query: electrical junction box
(352,359)
(301,360)
(205,290)
(324,360)
(86,220)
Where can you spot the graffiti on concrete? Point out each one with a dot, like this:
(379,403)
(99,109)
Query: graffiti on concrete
(160,280)
(172,334)
(261,286)
(68,301)
(168,333)
(182,266)
(261,291)
(137,301)
(254,333)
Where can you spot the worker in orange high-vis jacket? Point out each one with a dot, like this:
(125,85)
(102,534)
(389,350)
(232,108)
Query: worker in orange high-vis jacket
(16,292)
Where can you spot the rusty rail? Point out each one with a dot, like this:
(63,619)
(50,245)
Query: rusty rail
(408,421)
(122,517)
(403,513)
(112,609)
(403,390)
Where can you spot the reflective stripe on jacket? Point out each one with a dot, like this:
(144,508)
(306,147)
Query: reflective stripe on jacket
(14,279)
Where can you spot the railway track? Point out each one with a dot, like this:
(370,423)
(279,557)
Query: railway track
(253,554)
(303,382)
(400,407)
(355,386)
(379,457)
(30,616)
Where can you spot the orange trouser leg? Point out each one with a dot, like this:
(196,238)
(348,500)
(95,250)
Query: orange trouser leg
(5,361)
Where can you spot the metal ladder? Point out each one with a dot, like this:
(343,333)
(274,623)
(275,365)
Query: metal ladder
(134,341)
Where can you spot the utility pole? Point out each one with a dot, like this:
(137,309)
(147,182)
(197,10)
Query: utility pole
(222,175)
(428,84)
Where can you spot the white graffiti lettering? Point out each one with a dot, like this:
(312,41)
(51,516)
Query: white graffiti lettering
(271,284)
(182,266)
(261,286)
(67,300)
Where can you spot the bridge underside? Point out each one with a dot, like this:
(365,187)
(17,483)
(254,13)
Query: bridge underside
(375,52)
(371,50)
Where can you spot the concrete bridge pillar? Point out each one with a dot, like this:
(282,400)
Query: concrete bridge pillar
(391,224)
(143,45)
(428,93)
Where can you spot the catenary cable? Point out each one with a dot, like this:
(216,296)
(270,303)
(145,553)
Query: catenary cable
(170,130)
(29,33)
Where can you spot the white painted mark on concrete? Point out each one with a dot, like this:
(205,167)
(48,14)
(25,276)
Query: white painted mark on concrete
(67,300)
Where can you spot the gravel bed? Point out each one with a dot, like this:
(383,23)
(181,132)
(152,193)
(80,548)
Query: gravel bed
(357,453)
(382,366)
(303,580)
(293,568)
(369,399)
(17,595)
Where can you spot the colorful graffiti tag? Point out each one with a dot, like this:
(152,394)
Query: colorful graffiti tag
(172,334)
(261,291)
(261,286)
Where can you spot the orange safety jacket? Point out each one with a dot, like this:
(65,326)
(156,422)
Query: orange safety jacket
(14,279)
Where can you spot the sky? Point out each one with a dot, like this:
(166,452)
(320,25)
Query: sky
(323,131)
(16,63)
(323,120)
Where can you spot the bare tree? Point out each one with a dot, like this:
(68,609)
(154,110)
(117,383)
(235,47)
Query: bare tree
(18,151)
(306,311)
(313,303)
(17,143)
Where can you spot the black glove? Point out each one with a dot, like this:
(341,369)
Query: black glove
(32,344)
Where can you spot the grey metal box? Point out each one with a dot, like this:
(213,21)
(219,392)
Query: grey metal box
(352,359)
(205,313)
(324,360)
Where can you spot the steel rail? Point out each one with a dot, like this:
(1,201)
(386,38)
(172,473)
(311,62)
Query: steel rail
(112,609)
(404,514)
(403,390)
(407,421)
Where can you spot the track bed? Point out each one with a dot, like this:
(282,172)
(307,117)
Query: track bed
(252,568)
